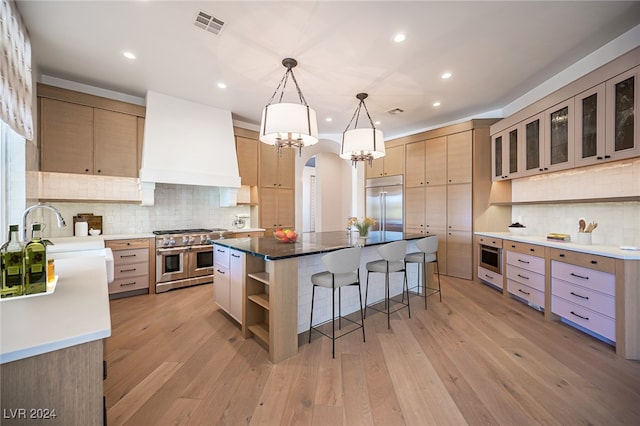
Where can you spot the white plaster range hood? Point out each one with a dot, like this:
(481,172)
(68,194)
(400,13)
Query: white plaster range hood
(188,143)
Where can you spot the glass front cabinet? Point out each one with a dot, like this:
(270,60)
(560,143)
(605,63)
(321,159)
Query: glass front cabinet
(621,137)
(590,126)
(559,142)
(506,148)
(533,145)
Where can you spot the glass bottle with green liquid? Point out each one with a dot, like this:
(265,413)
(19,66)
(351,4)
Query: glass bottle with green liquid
(35,262)
(11,258)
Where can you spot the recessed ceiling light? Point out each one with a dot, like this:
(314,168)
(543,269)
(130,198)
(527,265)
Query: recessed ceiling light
(328,119)
(222,85)
(129,55)
(377,123)
(436,104)
(446,75)
(399,38)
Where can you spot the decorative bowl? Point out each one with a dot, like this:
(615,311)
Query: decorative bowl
(285,235)
(94,232)
(517,230)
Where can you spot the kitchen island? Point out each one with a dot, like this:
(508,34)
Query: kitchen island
(51,348)
(275,281)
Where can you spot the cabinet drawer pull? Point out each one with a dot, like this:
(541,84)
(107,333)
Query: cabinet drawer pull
(580,316)
(220,251)
(128,255)
(524,261)
(235,255)
(524,292)
(594,262)
(488,276)
(580,296)
(127,270)
(522,276)
(561,255)
(579,276)
(127,284)
(219,271)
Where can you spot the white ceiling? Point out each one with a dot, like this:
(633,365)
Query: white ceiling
(497,51)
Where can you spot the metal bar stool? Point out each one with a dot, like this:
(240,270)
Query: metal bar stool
(428,253)
(343,269)
(392,261)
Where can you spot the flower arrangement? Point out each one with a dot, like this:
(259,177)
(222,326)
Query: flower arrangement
(362,227)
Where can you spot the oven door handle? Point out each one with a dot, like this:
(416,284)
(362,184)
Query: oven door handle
(170,250)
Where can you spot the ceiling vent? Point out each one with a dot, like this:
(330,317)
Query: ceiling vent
(395,111)
(208,22)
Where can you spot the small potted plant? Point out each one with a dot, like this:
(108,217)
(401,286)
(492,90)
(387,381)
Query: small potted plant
(363,226)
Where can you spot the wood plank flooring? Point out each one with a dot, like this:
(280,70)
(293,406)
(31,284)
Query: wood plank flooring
(477,358)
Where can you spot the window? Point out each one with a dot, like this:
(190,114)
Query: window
(12,178)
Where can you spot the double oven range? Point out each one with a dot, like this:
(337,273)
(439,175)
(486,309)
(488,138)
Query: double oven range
(184,257)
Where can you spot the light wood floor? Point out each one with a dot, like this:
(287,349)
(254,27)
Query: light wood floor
(476,358)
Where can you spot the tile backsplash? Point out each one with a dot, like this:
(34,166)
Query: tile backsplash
(618,222)
(176,207)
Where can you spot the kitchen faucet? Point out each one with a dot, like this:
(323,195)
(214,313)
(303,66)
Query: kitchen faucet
(61,222)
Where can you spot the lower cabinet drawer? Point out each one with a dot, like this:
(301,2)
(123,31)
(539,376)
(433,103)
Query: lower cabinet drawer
(526,277)
(525,292)
(584,317)
(129,283)
(598,302)
(596,280)
(131,256)
(489,276)
(130,270)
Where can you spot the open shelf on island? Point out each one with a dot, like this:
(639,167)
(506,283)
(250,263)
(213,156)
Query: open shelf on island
(263,277)
(261,299)
(261,331)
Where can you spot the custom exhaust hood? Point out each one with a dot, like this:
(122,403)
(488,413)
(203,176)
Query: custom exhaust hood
(188,143)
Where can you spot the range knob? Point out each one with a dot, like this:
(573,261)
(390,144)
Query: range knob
(165,241)
(185,239)
(204,238)
(172,242)
(192,239)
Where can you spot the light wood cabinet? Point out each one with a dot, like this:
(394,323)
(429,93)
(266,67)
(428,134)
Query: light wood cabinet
(247,152)
(276,208)
(459,157)
(86,134)
(277,170)
(436,161)
(415,164)
(591,120)
(66,137)
(505,154)
(132,267)
(391,164)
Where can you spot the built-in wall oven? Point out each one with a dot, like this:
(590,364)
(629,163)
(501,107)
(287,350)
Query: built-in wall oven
(183,258)
(490,258)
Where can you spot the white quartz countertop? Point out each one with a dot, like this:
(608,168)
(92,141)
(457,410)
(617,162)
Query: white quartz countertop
(610,251)
(76,312)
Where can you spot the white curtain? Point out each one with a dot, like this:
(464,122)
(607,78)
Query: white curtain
(15,71)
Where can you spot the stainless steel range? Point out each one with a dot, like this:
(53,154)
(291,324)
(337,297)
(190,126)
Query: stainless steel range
(184,257)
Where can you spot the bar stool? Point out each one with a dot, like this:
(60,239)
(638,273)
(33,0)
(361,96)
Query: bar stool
(428,253)
(392,261)
(343,269)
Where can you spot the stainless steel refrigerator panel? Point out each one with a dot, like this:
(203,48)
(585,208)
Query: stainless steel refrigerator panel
(374,206)
(393,208)
(384,203)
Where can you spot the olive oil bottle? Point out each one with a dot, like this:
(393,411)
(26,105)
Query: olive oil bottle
(11,258)
(35,262)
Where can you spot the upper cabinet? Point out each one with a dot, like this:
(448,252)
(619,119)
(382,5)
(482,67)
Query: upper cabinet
(247,152)
(459,157)
(558,141)
(596,122)
(415,164)
(622,118)
(277,170)
(391,164)
(86,134)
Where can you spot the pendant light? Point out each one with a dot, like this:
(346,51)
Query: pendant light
(364,144)
(290,125)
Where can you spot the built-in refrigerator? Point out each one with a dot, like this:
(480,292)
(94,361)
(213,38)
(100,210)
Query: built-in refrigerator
(384,202)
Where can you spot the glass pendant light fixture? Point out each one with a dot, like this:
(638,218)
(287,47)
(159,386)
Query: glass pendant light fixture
(291,125)
(363,144)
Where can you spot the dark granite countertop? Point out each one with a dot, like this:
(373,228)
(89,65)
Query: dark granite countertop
(312,243)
